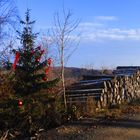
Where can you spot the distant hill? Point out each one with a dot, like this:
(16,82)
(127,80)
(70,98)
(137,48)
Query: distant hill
(71,72)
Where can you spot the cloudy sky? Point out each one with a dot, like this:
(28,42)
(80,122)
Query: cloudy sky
(109,29)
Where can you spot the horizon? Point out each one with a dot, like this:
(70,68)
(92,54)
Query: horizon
(110,30)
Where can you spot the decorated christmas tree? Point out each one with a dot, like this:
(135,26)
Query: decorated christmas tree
(24,106)
(30,70)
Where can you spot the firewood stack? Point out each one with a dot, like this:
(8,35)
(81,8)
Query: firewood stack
(107,90)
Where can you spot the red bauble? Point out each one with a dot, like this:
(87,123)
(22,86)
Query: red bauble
(42,52)
(38,59)
(49,61)
(47,70)
(33,52)
(20,103)
(16,60)
(44,78)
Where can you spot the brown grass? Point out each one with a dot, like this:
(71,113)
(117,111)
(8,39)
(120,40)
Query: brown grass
(124,125)
(105,133)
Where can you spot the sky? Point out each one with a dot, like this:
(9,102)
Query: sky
(109,29)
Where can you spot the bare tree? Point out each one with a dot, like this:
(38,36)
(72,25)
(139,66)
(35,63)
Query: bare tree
(8,14)
(63,35)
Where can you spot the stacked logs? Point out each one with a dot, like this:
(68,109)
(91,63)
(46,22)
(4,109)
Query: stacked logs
(107,90)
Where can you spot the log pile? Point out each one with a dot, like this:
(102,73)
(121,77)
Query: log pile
(107,90)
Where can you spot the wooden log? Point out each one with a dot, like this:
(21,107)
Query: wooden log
(97,77)
(84,97)
(99,104)
(107,90)
(87,86)
(104,100)
(81,95)
(72,101)
(83,91)
(94,81)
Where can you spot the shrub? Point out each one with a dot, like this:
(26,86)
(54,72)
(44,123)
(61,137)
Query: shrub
(135,102)
(90,106)
(6,89)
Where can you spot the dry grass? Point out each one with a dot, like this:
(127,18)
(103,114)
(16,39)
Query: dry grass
(126,126)
(104,133)
(113,133)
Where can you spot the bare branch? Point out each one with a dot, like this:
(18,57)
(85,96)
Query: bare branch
(63,29)
(7,23)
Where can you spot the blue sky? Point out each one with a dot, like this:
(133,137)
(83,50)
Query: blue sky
(110,29)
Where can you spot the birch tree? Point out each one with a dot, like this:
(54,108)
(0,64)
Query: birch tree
(64,27)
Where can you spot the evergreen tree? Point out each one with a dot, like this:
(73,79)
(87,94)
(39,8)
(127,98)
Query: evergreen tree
(30,75)
(24,111)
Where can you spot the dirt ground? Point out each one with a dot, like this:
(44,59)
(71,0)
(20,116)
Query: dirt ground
(124,128)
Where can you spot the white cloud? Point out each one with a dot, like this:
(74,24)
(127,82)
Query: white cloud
(97,31)
(106,18)
(90,24)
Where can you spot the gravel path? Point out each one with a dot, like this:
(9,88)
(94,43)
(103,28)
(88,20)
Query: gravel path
(121,129)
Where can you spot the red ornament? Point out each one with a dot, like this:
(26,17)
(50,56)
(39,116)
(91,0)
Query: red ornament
(47,70)
(16,60)
(33,52)
(20,103)
(49,61)
(44,78)
(38,59)
(42,52)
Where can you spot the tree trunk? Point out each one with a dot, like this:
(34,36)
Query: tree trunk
(62,75)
